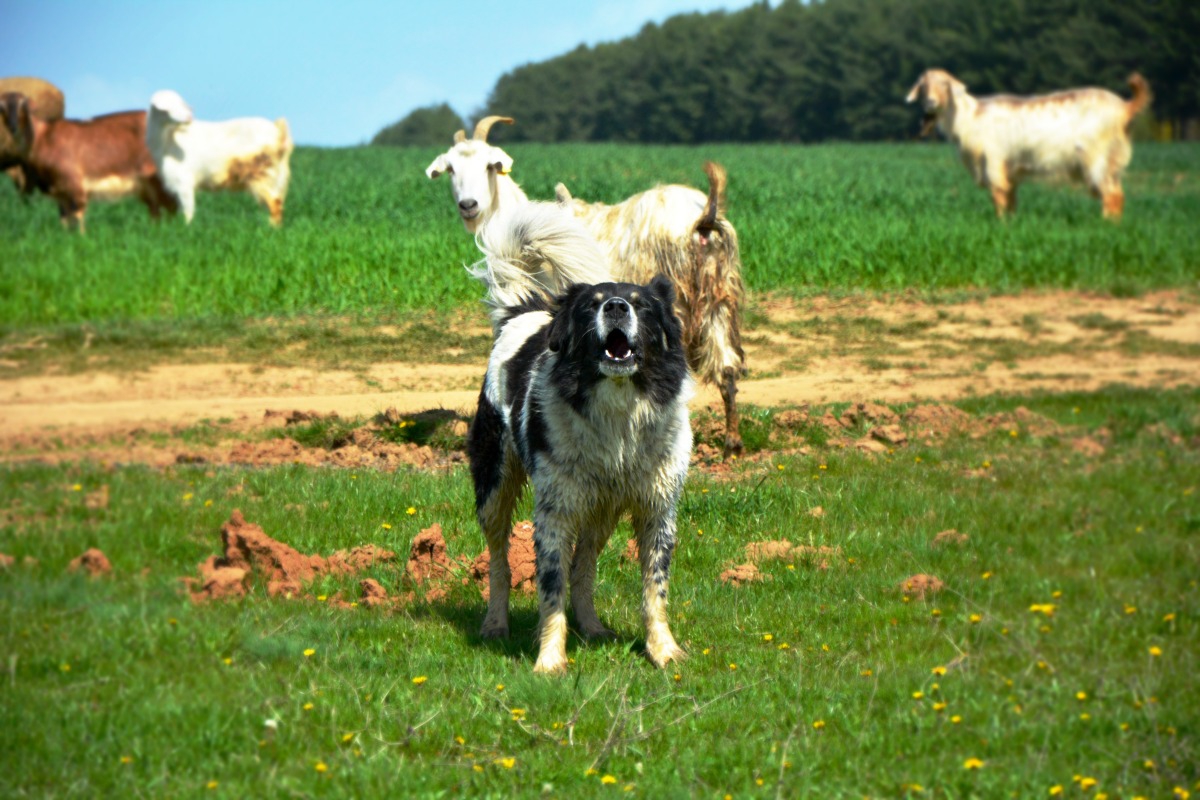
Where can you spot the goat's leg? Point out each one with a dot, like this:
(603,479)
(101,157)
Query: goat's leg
(733,437)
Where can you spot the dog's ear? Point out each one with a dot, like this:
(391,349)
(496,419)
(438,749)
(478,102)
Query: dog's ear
(561,317)
(663,291)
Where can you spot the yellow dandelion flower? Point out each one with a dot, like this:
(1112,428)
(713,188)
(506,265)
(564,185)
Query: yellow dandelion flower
(1182,793)
(956,719)
(1081,695)
(64,667)
(460,740)
(973,763)
(417,681)
(1057,593)
(1056,790)
(1013,434)
(1156,651)
(188,496)
(517,713)
(608,779)
(939,670)
(321,598)
(1087,783)
(227,661)
(918,695)
(1043,608)
(937,612)
(678,677)
(818,724)
(986,575)
(477,767)
(308,653)
(976,619)
(759,781)
(1148,764)
(590,771)
(410,510)
(211,785)
(507,763)
(77,487)
(499,687)
(866,673)
(784,646)
(1130,609)
(939,706)
(825,647)
(779,467)
(1169,617)
(1085,716)
(307,706)
(346,737)
(207,503)
(767,637)
(320,766)
(387,526)
(704,651)
(732,667)
(126,759)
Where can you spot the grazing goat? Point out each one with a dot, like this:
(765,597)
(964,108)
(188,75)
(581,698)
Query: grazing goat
(45,101)
(1080,134)
(674,231)
(74,161)
(249,154)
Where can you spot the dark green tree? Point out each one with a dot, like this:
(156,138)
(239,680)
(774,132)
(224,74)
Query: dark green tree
(425,126)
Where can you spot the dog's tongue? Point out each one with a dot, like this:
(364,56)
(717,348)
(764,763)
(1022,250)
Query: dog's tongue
(616,345)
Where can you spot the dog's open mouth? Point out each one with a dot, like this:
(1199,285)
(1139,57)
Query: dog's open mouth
(616,347)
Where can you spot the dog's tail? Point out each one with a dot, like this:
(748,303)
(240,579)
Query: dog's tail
(1141,96)
(535,252)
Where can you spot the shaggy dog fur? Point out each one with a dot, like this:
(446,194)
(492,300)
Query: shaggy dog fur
(586,398)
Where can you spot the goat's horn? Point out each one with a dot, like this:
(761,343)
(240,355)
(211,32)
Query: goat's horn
(461,136)
(484,125)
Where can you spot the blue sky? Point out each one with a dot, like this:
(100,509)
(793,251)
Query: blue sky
(339,71)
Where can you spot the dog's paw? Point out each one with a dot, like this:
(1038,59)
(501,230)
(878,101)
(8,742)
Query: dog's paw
(494,630)
(663,653)
(596,633)
(550,665)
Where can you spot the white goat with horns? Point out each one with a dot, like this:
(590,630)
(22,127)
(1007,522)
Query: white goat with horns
(673,230)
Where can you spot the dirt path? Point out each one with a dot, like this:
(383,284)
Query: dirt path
(817,350)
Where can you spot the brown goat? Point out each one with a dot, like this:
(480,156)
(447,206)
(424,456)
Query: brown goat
(46,101)
(74,161)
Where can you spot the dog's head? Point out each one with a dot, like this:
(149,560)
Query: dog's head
(617,330)
(936,90)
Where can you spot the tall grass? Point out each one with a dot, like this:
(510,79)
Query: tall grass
(367,234)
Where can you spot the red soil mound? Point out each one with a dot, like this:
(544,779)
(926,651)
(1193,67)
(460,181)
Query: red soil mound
(743,574)
(920,585)
(94,562)
(949,537)
(783,550)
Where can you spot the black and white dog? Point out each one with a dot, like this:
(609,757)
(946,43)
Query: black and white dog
(585,396)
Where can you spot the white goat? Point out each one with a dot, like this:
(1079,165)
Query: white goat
(248,154)
(673,230)
(1080,134)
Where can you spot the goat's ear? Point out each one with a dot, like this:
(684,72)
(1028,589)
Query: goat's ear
(439,165)
(958,89)
(562,195)
(499,160)
(8,108)
(560,323)
(17,119)
(915,92)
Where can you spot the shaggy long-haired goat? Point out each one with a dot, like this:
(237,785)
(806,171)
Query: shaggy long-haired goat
(1080,134)
(672,230)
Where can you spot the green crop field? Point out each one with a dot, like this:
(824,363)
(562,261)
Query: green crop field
(1058,660)
(368,235)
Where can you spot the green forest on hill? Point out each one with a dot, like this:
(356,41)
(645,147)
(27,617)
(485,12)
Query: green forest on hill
(840,69)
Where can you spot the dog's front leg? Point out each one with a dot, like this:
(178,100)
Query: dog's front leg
(552,547)
(656,545)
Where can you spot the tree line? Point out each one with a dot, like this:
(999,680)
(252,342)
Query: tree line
(840,69)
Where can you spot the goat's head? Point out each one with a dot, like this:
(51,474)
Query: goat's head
(937,90)
(168,106)
(14,107)
(473,165)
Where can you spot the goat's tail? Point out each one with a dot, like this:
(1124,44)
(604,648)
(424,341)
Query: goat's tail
(1141,96)
(716,198)
(286,145)
(533,252)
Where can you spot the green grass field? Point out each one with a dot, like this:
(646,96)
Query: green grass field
(367,235)
(820,682)
(1060,659)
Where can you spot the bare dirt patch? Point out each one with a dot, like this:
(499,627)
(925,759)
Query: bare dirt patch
(93,562)
(866,351)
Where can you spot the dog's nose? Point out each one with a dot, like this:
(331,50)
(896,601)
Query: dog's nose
(468,205)
(616,307)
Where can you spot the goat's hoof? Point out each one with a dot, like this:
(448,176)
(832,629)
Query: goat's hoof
(550,665)
(663,654)
(598,634)
(733,446)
